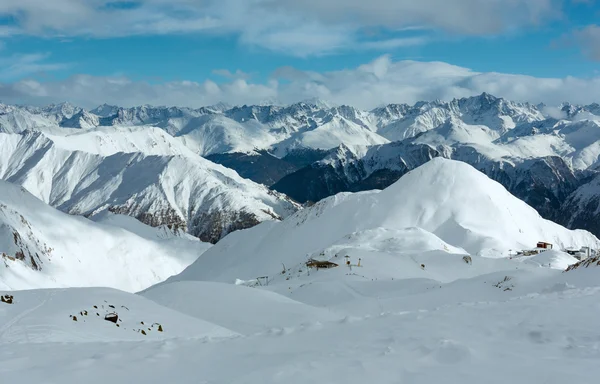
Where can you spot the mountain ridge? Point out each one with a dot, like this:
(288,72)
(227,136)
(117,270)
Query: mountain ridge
(310,150)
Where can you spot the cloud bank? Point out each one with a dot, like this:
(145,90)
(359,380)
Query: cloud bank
(297,27)
(379,82)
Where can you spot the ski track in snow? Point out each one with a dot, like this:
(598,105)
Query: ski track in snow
(6,327)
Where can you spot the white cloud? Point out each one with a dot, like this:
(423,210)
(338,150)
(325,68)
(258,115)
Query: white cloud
(238,74)
(589,40)
(379,82)
(19,65)
(386,45)
(554,112)
(461,16)
(299,27)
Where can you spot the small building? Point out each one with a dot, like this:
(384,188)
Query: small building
(580,254)
(585,252)
(544,245)
(529,252)
(318,264)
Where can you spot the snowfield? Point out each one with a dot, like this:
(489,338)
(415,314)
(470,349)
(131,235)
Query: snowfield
(77,315)
(405,330)
(430,295)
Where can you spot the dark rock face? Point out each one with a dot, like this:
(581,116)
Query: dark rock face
(312,183)
(303,157)
(380,179)
(581,208)
(207,226)
(260,167)
(167,216)
(583,216)
(348,173)
(212,226)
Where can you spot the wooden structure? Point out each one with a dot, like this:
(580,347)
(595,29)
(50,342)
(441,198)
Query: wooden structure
(544,245)
(263,278)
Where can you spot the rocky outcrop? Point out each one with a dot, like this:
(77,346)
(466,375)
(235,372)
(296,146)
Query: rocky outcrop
(587,263)
(19,242)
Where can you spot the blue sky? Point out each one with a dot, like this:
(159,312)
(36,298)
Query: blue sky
(232,48)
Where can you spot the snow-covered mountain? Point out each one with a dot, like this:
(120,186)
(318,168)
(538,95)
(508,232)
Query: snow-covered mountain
(544,182)
(541,162)
(430,275)
(144,174)
(312,149)
(305,125)
(399,122)
(41,247)
(442,209)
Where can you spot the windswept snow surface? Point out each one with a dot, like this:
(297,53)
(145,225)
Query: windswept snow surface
(46,316)
(239,308)
(435,299)
(415,331)
(41,247)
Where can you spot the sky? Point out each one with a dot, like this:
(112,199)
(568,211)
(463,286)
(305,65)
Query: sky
(357,52)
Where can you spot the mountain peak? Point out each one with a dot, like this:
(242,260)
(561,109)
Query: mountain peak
(319,103)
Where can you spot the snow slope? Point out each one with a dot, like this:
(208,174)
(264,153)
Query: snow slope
(417,310)
(413,331)
(180,189)
(162,232)
(41,247)
(108,141)
(239,308)
(445,206)
(218,134)
(46,316)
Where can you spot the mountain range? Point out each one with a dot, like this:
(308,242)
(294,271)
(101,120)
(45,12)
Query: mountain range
(159,164)
(417,273)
